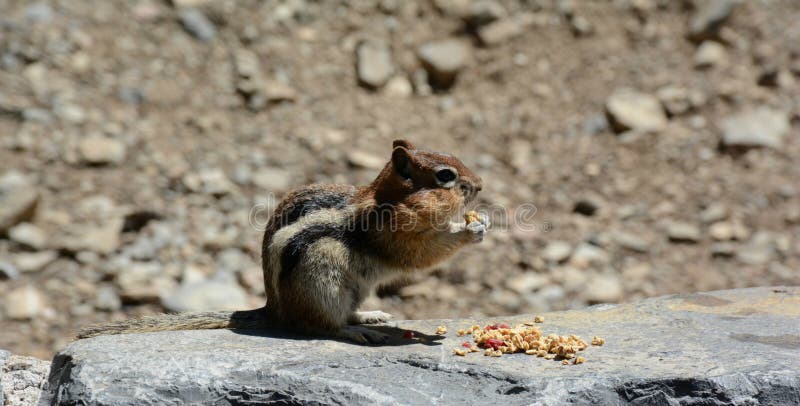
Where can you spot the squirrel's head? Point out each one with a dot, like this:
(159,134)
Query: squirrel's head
(426,181)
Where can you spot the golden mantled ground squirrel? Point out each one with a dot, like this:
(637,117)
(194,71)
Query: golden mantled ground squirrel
(327,246)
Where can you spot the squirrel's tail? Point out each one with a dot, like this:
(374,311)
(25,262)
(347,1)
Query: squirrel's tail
(246,319)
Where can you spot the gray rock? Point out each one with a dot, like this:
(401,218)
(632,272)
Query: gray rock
(197,24)
(586,255)
(683,232)
(18,201)
(631,241)
(603,288)
(482,12)
(28,235)
(443,60)
(374,63)
(99,150)
(631,110)
(710,54)
(398,86)
(505,29)
(527,282)
(102,239)
(24,303)
(215,294)
(680,100)
(363,159)
(106,299)
(709,18)
(758,251)
(8,271)
(33,261)
(273,180)
(762,127)
(212,181)
(39,12)
(672,350)
(557,251)
(22,379)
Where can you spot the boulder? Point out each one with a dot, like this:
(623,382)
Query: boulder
(22,379)
(726,347)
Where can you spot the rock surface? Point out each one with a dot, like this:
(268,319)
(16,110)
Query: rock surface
(22,379)
(725,347)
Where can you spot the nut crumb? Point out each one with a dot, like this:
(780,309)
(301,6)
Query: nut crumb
(538,319)
(459,351)
(598,341)
(441,330)
(580,360)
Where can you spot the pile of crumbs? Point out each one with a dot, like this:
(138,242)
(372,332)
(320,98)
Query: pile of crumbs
(498,339)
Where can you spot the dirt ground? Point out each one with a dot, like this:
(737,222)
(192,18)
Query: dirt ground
(151,130)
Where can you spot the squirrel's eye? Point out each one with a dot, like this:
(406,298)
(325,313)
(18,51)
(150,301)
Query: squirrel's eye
(446,175)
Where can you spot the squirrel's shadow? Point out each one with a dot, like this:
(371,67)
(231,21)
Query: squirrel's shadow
(397,336)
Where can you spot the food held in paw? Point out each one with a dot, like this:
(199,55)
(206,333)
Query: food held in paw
(471,217)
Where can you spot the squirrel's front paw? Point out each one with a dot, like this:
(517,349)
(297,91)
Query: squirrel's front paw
(477,228)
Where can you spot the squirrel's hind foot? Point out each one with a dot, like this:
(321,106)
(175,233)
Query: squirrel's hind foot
(369,317)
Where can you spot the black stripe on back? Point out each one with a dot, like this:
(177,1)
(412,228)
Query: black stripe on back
(315,200)
(297,246)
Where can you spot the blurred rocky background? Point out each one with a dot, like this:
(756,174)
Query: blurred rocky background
(658,140)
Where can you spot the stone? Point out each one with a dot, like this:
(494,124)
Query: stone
(24,303)
(679,349)
(709,18)
(557,251)
(8,271)
(39,12)
(527,282)
(761,127)
(631,241)
(102,239)
(215,294)
(28,235)
(28,262)
(374,63)
(713,213)
(366,160)
(18,201)
(106,299)
(274,180)
(710,54)
(99,150)
(581,26)
(22,379)
(603,288)
(683,232)
(482,12)
(197,24)
(443,60)
(586,255)
(505,29)
(212,181)
(398,86)
(758,251)
(680,100)
(631,110)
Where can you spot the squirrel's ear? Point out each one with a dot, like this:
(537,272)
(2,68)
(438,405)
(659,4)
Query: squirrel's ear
(402,143)
(401,161)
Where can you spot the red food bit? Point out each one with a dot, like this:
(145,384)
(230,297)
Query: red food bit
(408,334)
(492,327)
(504,325)
(466,344)
(494,343)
